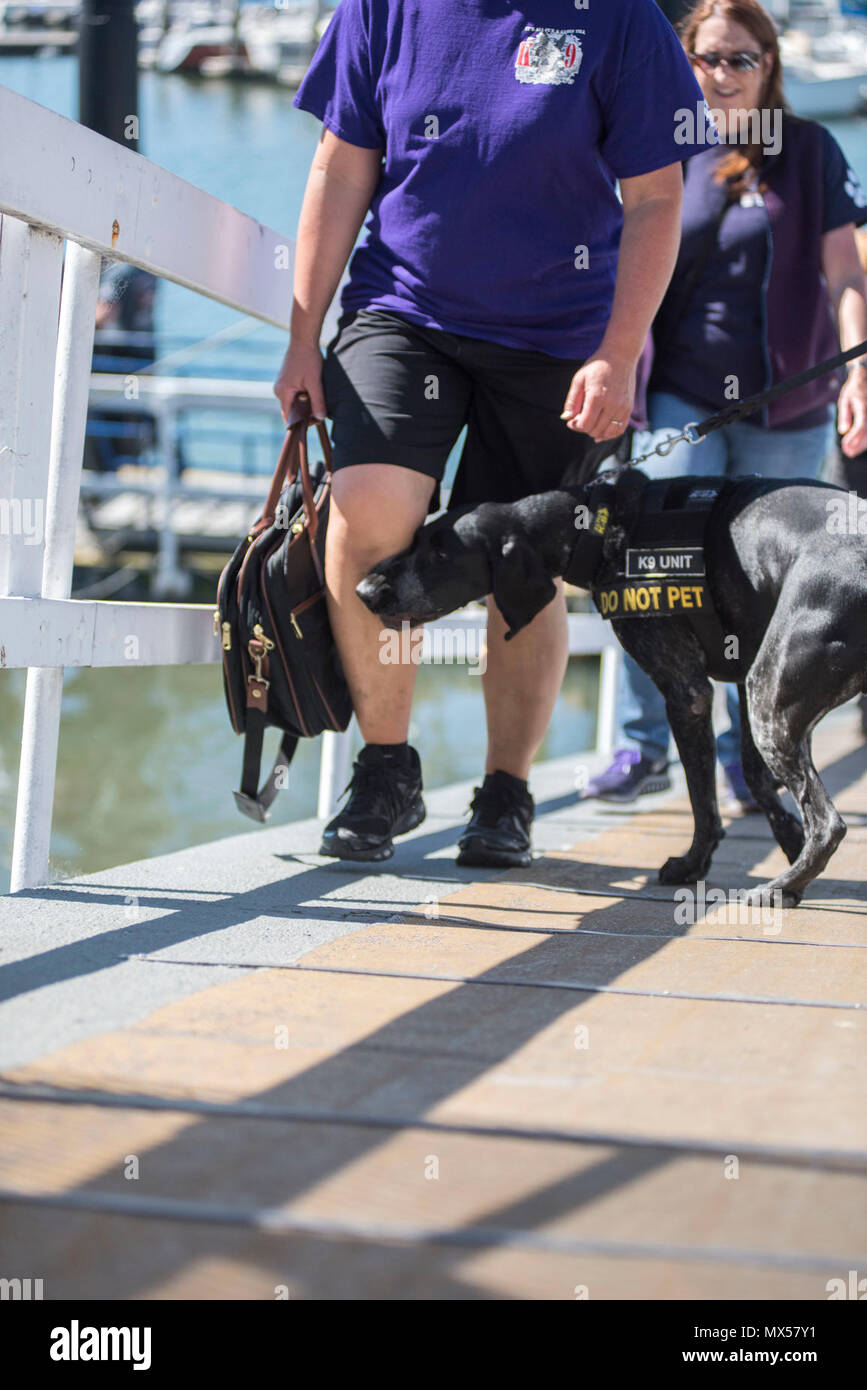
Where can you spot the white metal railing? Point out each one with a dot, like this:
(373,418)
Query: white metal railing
(60,182)
(166,398)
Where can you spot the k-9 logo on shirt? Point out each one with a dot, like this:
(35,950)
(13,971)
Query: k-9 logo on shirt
(548,55)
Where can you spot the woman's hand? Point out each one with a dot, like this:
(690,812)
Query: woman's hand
(301,371)
(852,412)
(844,277)
(601,396)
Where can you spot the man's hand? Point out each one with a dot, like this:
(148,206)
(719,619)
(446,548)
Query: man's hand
(601,397)
(301,371)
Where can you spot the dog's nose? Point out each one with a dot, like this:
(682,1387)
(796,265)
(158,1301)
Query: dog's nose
(373,589)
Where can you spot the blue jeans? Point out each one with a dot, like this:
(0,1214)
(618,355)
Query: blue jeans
(733,452)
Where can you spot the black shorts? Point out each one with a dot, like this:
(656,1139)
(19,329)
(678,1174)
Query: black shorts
(400,393)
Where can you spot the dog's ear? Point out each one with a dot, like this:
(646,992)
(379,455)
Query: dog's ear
(520,585)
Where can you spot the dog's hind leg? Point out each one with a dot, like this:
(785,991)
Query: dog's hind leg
(785,704)
(788,830)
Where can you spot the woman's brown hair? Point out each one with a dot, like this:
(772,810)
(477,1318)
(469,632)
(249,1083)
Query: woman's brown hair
(751,16)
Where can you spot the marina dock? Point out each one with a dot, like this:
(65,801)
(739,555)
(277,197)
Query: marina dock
(29,41)
(242,1071)
(271,1075)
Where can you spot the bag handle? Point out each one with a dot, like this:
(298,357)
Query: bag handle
(294,460)
(251,800)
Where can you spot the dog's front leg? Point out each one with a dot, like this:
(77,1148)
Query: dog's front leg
(689,705)
(673,658)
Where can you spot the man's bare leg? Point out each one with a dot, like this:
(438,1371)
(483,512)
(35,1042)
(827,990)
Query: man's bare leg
(521,684)
(375,510)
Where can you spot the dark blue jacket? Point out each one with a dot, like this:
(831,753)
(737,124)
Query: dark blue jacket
(808,190)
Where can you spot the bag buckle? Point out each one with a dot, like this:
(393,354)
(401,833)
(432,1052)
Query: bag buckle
(258,647)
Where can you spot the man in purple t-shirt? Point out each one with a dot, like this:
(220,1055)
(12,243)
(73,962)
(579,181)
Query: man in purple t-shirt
(500,286)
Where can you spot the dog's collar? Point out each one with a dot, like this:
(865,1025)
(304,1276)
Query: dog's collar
(591,524)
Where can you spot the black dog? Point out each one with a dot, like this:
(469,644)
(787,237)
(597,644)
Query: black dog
(790,594)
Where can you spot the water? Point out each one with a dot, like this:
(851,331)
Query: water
(147,760)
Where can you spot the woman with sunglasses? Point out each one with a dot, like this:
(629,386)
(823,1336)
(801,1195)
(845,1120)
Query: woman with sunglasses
(767,283)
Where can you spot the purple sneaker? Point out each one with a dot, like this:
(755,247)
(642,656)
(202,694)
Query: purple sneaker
(740,795)
(630,775)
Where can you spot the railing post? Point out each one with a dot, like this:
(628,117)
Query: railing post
(606,716)
(334,763)
(30,267)
(169,581)
(38,765)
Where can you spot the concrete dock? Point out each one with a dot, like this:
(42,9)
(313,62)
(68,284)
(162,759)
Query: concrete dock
(244,1072)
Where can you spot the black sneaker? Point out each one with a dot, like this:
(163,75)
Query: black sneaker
(630,775)
(384,800)
(498,835)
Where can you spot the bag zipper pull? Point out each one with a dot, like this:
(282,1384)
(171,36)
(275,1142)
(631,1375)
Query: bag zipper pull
(258,655)
(294,621)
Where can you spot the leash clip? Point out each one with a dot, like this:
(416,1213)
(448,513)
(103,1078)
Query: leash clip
(690,434)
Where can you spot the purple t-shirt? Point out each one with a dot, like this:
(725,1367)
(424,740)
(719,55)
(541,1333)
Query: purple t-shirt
(504,129)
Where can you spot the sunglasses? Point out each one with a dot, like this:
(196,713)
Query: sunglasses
(735,62)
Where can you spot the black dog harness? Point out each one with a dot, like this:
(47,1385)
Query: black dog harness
(658,568)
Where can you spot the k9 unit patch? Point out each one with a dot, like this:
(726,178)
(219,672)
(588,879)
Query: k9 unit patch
(665,561)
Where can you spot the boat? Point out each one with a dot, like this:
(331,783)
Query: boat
(38,28)
(825,75)
(203,33)
(281,40)
(249,41)
(36,14)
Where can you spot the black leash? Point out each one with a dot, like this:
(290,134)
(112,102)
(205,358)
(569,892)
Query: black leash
(695,432)
(753,403)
